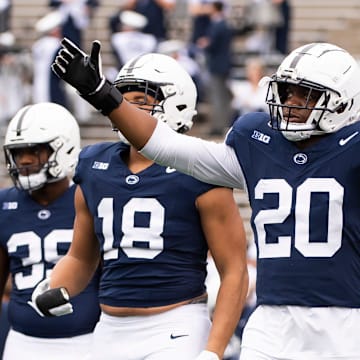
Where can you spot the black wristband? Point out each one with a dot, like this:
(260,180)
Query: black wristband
(107,99)
(50,299)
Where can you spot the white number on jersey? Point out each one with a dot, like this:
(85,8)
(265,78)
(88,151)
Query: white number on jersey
(282,248)
(35,255)
(150,236)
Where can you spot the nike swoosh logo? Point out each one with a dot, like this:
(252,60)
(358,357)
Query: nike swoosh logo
(177,336)
(343,142)
(169,170)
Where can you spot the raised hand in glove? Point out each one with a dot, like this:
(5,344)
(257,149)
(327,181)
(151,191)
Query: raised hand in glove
(207,355)
(84,73)
(50,302)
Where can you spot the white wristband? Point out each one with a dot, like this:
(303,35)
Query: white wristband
(207,355)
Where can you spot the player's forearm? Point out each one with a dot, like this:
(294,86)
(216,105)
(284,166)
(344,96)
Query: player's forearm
(72,274)
(137,132)
(229,304)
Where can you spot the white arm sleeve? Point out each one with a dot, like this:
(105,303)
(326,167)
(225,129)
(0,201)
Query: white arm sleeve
(210,162)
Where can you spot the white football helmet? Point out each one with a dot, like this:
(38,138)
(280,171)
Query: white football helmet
(167,81)
(323,67)
(43,123)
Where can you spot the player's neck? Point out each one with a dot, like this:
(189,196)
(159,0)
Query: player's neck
(137,162)
(50,192)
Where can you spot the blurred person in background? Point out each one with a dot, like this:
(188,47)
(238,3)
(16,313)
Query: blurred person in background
(46,85)
(282,30)
(155,12)
(178,50)
(77,15)
(249,95)
(217,46)
(130,41)
(199,12)
(263,17)
(15,76)
(5,15)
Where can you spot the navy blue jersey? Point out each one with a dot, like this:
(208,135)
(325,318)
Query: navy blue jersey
(148,227)
(35,238)
(306,208)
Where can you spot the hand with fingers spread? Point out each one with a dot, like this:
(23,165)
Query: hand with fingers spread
(78,69)
(84,73)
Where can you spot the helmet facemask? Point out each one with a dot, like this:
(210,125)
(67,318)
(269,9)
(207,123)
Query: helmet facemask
(281,113)
(29,177)
(148,89)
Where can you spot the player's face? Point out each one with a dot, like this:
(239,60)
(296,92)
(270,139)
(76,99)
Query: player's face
(141,100)
(301,101)
(31,159)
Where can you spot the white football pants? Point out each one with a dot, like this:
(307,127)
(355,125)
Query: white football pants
(19,346)
(177,334)
(301,333)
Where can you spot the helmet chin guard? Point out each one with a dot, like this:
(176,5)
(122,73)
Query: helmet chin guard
(32,182)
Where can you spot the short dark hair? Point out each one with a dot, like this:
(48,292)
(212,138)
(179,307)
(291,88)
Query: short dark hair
(218,5)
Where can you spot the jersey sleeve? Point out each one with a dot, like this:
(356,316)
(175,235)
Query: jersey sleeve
(210,162)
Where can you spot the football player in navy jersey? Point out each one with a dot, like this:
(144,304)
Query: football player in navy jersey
(41,147)
(152,226)
(300,166)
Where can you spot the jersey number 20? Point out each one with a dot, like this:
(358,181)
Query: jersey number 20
(282,248)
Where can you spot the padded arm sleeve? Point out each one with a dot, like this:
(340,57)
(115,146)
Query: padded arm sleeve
(214,163)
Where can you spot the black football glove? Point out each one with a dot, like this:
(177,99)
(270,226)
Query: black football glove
(50,302)
(84,73)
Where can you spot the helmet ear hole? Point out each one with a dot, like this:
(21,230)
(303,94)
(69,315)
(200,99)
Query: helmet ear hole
(181,107)
(341,108)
